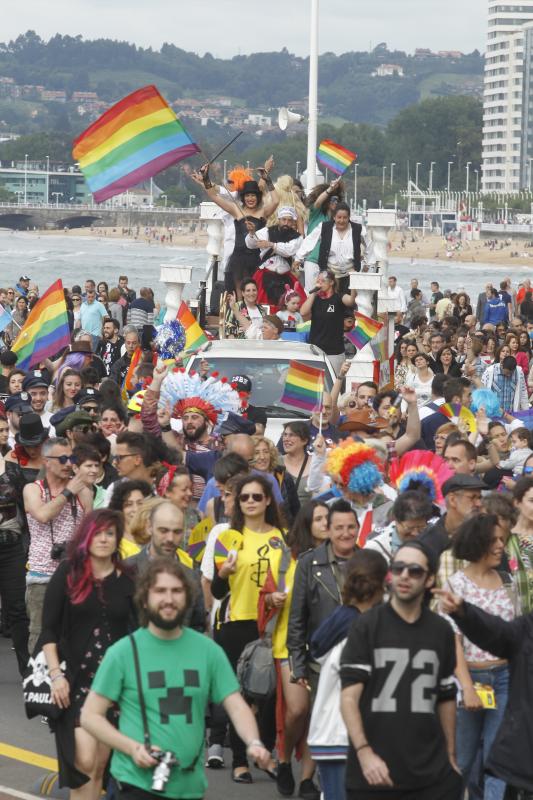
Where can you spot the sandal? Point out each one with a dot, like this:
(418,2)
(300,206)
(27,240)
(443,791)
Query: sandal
(242,777)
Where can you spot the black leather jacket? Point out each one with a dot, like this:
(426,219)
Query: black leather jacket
(316,594)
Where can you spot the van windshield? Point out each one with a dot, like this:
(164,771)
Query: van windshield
(268,379)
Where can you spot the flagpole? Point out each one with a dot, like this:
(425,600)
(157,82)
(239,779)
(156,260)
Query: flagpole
(321,418)
(313,99)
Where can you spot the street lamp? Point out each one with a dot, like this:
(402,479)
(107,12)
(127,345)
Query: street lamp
(450,165)
(47,179)
(384,169)
(477,180)
(468,163)
(191,197)
(392,172)
(57,195)
(432,164)
(418,164)
(25,178)
(312,123)
(164,195)
(297,168)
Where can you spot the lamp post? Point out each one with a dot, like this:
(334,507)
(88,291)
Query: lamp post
(313,99)
(384,170)
(393,164)
(450,165)
(477,180)
(25,178)
(164,195)
(57,195)
(191,197)
(468,163)
(418,164)
(432,164)
(225,170)
(297,173)
(47,179)
(355,188)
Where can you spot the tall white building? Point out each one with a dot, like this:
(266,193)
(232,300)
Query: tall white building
(508,108)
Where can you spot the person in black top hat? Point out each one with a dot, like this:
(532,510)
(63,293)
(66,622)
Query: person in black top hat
(243,385)
(24,462)
(250,215)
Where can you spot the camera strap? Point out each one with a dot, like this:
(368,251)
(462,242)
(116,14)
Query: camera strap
(140,691)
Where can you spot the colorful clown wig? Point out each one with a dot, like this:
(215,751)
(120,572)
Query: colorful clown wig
(357,465)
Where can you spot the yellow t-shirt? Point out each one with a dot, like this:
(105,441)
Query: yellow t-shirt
(259,553)
(279,637)
(128,548)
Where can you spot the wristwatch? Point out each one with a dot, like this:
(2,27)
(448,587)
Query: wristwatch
(68,494)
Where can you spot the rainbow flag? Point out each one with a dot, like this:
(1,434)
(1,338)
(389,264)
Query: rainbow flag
(380,350)
(365,329)
(127,386)
(46,330)
(304,386)
(132,141)
(194,335)
(334,156)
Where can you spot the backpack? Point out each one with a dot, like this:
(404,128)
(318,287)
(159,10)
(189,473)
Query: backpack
(256,670)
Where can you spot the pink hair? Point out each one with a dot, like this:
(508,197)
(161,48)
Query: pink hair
(80,580)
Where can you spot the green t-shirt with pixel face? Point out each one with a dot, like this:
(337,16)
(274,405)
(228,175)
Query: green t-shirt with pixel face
(179,677)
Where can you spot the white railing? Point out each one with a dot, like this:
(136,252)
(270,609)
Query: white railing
(192,211)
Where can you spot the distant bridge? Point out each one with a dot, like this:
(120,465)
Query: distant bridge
(27,216)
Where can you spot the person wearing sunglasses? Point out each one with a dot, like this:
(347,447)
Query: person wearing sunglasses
(54,505)
(75,426)
(398,692)
(240,579)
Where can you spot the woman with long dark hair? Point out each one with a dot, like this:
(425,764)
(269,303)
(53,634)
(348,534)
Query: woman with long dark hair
(87,607)
(238,582)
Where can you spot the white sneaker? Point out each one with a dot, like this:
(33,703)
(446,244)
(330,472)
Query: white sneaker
(215,757)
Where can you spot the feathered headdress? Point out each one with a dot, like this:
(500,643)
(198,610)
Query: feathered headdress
(358,466)
(212,398)
(239,176)
(420,470)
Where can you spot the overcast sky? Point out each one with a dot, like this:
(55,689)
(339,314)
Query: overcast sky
(228,27)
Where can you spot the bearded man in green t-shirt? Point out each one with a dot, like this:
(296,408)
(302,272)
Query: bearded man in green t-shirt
(181,671)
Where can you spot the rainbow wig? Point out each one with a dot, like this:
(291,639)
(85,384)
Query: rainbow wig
(239,175)
(357,465)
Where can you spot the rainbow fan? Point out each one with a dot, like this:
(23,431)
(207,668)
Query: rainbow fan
(460,415)
(228,540)
(420,470)
(197,539)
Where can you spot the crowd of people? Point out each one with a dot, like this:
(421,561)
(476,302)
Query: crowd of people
(347,605)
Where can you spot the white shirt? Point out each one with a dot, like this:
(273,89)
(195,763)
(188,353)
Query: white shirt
(282,251)
(341,256)
(398,294)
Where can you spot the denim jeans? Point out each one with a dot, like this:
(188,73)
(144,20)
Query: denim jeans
(480,727)
(332,778)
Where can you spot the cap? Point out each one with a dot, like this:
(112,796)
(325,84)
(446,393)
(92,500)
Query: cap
(70,420)
(24,278)
(236,424)
(244,384)
(18,402)
(34,379)
(87,395)
(8,358)
(458,483)
(363,419)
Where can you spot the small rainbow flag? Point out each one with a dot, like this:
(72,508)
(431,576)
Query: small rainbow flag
(334,156)
(380,350)
(194,335)
(197,539)
(131,142)
(228,540)
(304,386)
(46,330)
(127,386)
(365,329)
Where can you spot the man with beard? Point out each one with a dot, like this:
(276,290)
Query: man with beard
(110,346)
(36,384)
(196,437)
(180,672)
(119,368)
(279,244)
(166,528)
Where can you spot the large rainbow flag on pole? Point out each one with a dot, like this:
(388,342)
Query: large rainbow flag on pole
(133,141)
(304,387)
(46,330)
(365,329)
(334,156)
(194,335)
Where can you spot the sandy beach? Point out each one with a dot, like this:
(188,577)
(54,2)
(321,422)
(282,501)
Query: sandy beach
(511,252)
(177,237)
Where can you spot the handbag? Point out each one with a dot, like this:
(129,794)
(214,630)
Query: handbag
(256,670)
(37,687)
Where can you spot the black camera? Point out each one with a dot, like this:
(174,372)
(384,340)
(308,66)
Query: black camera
(167,760)
(58,551)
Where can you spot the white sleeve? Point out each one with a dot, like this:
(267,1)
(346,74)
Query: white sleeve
(287,249)
(207,567)
(252,239)
(309,243)
(316,478)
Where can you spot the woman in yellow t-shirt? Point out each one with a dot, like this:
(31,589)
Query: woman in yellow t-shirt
(241,577)
(128,497)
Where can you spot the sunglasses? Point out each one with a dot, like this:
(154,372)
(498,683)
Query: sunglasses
(90,409)
(76,299)
(126,455)
(413,570)
(82,428)
(255,496)
(65,459)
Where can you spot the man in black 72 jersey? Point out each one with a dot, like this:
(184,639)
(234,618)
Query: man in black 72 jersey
(398,693)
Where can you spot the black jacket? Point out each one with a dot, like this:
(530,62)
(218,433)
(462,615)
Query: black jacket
(316,594)
(119,369)
(510,755)
(195,617)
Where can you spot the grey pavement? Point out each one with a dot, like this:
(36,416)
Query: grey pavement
(32,735)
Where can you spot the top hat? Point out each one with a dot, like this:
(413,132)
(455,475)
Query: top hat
(31,431)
